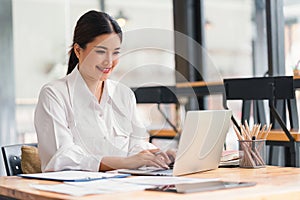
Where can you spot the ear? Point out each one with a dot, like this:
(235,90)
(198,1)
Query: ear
(77,50)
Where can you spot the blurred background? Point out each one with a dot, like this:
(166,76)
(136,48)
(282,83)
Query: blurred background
(41,34)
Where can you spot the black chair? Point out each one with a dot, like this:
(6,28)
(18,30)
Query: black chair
(159,95)
(12,158)
(273,89)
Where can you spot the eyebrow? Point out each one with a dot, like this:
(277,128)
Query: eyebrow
(102,47)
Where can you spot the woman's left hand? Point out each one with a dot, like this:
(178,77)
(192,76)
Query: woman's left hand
(171,154)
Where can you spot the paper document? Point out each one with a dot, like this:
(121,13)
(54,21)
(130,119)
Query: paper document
(157,183)
(67,189)
(230,155)
(72,176)
(110,185)
(229,158)
(165,180)
(103,186)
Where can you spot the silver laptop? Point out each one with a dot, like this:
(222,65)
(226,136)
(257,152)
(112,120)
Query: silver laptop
(200,146)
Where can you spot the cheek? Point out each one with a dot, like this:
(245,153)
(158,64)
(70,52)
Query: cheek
(95,59)
(115,62)
(92,58)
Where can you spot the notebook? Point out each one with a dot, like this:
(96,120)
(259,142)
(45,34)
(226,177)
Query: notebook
(200,145)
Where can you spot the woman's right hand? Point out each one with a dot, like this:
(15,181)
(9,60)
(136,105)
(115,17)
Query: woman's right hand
(152,157)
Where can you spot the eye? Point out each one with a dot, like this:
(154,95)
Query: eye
(116,53)
(100,51)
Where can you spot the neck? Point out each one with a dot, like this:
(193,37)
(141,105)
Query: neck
(95,86)
(97,89)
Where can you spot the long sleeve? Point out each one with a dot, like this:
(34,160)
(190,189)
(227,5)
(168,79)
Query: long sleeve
(57,149)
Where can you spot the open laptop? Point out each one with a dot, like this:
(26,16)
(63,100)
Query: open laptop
(200,146)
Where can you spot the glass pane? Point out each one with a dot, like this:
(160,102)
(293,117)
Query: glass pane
(229,36)
(147,57)
(292,41)
(292,35)
(236,46)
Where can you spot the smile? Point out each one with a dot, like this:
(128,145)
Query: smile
(103,70)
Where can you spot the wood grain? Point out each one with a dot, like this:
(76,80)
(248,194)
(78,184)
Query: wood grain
(162,133)
(273,183)
(279,135)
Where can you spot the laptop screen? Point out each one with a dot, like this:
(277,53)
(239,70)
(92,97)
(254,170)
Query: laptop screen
(201,142)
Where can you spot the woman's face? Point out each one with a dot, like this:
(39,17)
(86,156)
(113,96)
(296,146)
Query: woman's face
(99,57)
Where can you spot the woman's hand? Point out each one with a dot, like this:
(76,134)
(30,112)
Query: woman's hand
(153,157)
(171,154)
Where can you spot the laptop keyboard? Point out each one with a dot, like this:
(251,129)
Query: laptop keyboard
(154,169)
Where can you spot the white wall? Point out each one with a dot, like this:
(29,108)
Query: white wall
(43,31)
(40,41)
(229,36)
(43,34)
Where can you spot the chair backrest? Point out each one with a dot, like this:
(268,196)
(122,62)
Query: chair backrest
(259,88)
(155,94)
(12,158)
(262,88)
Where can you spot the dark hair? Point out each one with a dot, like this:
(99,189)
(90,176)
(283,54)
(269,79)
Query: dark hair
(89,26)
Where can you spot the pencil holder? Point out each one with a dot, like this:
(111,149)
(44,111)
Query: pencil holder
(252,153)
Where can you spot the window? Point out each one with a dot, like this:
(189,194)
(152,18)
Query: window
(43,33)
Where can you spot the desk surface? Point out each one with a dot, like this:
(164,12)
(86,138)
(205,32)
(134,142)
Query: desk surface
(279,135)
(272,183)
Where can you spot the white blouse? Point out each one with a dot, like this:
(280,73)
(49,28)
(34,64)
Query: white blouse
(74,131)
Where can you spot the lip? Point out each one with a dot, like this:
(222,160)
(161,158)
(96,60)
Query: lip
(105,70)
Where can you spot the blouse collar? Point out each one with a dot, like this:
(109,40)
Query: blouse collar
(75,80)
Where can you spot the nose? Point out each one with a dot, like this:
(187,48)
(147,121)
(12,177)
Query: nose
(108,61)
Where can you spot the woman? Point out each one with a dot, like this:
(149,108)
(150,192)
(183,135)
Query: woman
(85,121)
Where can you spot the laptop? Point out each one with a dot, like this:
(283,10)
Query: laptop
(200,145)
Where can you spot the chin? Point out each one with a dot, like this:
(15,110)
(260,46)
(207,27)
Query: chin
(103,78)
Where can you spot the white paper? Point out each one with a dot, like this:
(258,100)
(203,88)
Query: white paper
(67,189)
(70,175)
(113,185)
(103,186)
(164,180)
(110,185)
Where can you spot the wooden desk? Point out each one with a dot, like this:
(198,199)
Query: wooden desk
(162,133)
(279,135)
(272,183)
(198,84)
(199,88)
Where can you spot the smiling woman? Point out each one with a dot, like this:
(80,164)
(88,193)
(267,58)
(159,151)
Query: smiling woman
(99,56)
(94,30)
(85,121)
